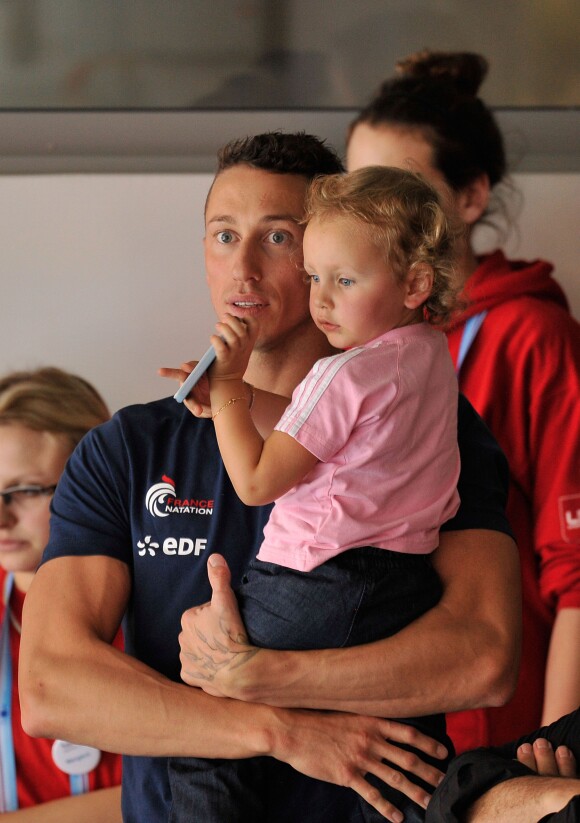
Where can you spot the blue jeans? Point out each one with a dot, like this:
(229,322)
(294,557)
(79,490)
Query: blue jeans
(361,595)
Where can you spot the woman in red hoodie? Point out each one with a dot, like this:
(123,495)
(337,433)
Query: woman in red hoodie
(517,353)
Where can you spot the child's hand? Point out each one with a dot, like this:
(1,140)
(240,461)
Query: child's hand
(233,344)
(197,401)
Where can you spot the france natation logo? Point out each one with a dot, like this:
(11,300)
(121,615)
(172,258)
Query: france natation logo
(161,501)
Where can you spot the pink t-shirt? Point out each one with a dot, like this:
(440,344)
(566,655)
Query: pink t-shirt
(382,421)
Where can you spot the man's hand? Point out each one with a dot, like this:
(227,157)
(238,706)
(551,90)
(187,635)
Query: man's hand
(213,640)
(345,748)
(197,400)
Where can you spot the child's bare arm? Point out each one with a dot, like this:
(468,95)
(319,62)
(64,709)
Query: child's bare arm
(267,408)
(260,469)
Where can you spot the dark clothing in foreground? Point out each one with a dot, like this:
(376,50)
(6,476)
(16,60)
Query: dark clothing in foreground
(473,773)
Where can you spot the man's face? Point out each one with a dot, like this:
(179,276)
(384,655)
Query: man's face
(253,251)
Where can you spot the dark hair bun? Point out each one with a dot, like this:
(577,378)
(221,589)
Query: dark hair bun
(464,70)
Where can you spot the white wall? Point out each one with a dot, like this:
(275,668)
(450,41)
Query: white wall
(547,227)
(103,274)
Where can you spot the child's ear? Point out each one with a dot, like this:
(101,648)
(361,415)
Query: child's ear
(419,285)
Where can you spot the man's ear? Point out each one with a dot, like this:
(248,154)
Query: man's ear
(473,199)
(419,285)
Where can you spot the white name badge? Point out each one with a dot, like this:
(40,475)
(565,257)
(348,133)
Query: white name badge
(74,759)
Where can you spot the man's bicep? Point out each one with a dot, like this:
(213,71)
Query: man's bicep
(479,568)
(72,594)
(480,573)
(70,618)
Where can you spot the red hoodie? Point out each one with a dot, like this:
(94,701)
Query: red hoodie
(522,374)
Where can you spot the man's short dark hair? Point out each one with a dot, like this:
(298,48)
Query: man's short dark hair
(282,153)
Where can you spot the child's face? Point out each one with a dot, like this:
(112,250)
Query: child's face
(354,295)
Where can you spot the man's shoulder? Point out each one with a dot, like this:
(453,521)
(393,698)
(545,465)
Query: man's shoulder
(146,436)
(153,413)
(157,418)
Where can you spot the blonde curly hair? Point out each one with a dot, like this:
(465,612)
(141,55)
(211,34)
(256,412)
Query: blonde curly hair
(405,218)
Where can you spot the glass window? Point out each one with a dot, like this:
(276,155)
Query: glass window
(138,85)
(263,54)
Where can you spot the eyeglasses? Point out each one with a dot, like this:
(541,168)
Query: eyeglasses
(23,495)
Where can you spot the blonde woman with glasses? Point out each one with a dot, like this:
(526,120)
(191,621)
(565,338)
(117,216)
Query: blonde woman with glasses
(43,415)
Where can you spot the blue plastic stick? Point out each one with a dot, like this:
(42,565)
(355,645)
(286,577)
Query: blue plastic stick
(195,375)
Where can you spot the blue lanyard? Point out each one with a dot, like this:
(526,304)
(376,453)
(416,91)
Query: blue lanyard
(79,783)
(472,326)
(8,795)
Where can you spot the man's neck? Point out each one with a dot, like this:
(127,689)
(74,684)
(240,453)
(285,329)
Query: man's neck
(281,368)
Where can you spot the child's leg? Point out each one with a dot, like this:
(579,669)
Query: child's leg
(287,609)
(360,596)
(399,589)
(282,609)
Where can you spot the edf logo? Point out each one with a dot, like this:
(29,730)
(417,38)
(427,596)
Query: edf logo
(171,545)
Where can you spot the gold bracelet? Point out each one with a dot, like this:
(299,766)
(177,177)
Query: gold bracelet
(230,402)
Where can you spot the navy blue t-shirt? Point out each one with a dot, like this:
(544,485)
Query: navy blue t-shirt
(149,488)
